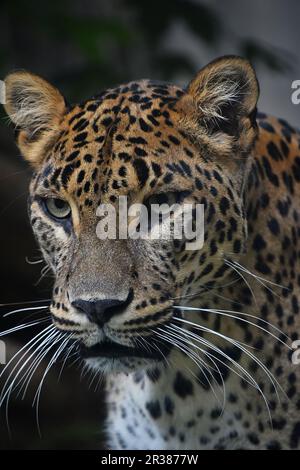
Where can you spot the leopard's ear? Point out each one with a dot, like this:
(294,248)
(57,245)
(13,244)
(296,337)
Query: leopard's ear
(36,108)
(219,106)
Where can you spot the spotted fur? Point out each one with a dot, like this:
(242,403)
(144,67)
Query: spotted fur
(203,144)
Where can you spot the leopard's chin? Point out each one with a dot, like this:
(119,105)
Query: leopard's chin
(108,366)
(110,357)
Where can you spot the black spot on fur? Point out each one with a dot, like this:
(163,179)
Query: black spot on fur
(154,409)
(295,436)
(66,174)
(142,171)
(182,386)
(259,243)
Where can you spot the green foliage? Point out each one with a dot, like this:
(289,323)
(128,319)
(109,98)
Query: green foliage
(85,46)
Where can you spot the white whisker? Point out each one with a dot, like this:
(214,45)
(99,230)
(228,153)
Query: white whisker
(37,337)
(250,380)
(231,265)
(242,348)
(42,351)
(238,267)
(5,391)
(260,277)
(228,313)
(67,356)
(28,309)
(55,356)
(38,261)
(25,303)
(195,358)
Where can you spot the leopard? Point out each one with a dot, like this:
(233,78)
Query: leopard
(199,347)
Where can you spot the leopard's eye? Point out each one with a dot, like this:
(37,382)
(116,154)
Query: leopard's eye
(57,208)
(171,197)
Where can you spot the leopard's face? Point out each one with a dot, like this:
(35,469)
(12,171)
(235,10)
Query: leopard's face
(151,143)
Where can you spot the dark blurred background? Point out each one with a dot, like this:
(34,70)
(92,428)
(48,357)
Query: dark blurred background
(83,47)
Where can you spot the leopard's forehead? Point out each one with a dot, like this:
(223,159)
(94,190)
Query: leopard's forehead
(124,137)
(128,111)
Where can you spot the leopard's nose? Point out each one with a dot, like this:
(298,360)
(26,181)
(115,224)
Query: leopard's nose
(100,311)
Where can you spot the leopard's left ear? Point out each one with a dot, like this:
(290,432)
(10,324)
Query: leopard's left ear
(36,108)
(219,107)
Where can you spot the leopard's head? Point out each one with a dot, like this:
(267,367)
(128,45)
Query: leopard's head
(149,142)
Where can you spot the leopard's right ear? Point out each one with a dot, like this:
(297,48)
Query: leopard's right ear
(36,108)
(219,107)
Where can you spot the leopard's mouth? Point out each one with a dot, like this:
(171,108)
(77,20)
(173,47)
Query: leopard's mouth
(112,350)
